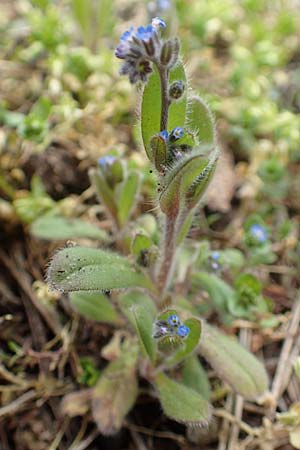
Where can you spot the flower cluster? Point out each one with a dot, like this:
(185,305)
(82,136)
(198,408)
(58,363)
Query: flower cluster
(141,47)
(176,133)
(170,327)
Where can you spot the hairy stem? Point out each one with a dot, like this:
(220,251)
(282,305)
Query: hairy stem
(168,252)
(164,85)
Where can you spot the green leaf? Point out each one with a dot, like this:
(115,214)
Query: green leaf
(116,392)
(234,364)
(189,343)
(104,192)
(219,291)
(195,377)
(158,151)
(182,403)
(129,192)
(179,181)
(90,269)
(59,228)
(200,121)
(141,312)
(151,107)
(140,243)
(94,306)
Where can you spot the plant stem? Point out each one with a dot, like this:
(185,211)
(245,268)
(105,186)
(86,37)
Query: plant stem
(164,85)
(168,251)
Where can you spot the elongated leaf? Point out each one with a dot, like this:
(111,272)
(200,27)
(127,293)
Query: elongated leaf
(129,192)
(179,179)
(141,312)
(219,291)
(201,182)
(189,343)
(182,403)
(104,192)
(151,106)
(90,269)
(94,306)
(195,377)
(234,364)
(60,228)
(201,121)
(116,392)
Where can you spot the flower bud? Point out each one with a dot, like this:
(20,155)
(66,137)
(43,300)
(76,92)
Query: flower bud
(176,90)
(169,52)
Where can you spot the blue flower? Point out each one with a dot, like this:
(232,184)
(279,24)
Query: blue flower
(215,255)
(176,134)
(174,320)
(127,34)
(107,160)
(145,33)
(157,22)
(183,331)
(259,233)
(164,134)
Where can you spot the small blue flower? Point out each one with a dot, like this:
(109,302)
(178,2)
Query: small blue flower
(183,331)
(145,33)
(176,134)
(127,34)
(164,134)
(215,255)
(259,233)
(107,160)
(157,22)
(174,320)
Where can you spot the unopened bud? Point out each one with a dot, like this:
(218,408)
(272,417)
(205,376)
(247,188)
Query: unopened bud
(176,90)
(169,52)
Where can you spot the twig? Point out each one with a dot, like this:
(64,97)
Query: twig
(17,404)
(284,368)
(84,444)
(223,435)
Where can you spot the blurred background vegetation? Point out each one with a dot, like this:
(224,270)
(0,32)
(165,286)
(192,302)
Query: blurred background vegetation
(63,105)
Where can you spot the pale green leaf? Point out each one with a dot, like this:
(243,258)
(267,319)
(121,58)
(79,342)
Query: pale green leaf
(182,403)
(141,312)
(129,192)
(59,228)
(200,121)
(151,106)
(195,377)
(90,269)
(94,306)
(233,363)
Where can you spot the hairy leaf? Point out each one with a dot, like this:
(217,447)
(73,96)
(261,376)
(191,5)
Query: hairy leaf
(116,392)
(234,364)
(200,121)
(90,269)
(60,228)
(129,192)
(94,306)
(195,377)
(151,107)
(182,403)
(141,312)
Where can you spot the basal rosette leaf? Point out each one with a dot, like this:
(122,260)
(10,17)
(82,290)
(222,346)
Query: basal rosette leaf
(182,403)
(89,269)
(195,377)
(234,364)
(116,392)
(94,306)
